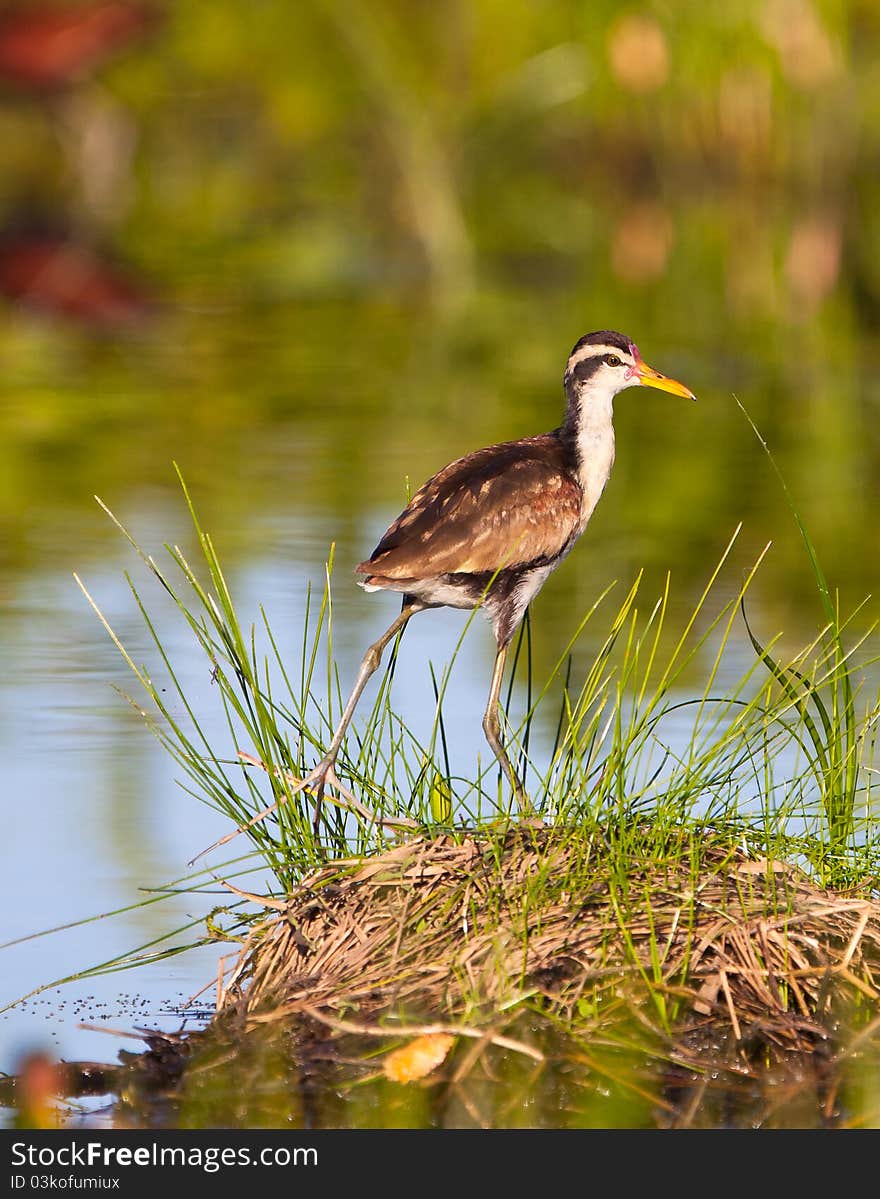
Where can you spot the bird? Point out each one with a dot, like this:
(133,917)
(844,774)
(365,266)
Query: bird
(489,528)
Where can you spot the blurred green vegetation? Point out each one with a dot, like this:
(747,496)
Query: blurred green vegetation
(373,229)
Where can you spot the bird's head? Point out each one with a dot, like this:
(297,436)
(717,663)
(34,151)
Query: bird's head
(607,362)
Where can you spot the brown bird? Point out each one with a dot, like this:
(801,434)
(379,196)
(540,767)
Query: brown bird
(489,528)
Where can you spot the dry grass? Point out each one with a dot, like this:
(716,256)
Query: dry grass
(464,931)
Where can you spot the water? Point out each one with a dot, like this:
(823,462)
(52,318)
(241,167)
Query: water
(94,810)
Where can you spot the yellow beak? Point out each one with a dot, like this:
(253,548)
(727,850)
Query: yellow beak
(651,378)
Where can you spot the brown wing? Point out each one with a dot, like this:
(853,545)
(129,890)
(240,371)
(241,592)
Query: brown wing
(503,506)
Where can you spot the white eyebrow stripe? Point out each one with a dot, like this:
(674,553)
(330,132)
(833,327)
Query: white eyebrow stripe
(592,351)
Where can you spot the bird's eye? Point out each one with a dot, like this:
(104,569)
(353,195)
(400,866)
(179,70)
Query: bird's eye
(612,360)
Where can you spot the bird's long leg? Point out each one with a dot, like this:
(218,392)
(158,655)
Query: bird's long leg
(492,729)
(325,771)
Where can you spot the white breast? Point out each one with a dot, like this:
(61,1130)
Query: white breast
(595,448)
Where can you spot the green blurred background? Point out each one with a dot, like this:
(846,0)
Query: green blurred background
(369,234)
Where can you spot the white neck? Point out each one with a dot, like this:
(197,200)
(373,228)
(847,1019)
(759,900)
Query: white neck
(590,422)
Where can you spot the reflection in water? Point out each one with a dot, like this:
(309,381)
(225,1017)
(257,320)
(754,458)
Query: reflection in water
(291,1075)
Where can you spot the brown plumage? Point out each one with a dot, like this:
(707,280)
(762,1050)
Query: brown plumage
(490,527)
(508,505)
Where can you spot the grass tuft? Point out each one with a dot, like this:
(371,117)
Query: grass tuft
(784,764)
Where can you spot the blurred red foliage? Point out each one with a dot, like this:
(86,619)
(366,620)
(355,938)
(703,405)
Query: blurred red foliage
(61,277)
(43,48)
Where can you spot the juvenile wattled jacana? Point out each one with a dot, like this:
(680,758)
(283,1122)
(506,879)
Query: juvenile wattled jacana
(490,527)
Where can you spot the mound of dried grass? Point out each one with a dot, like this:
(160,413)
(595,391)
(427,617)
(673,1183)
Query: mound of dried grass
(457,930)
